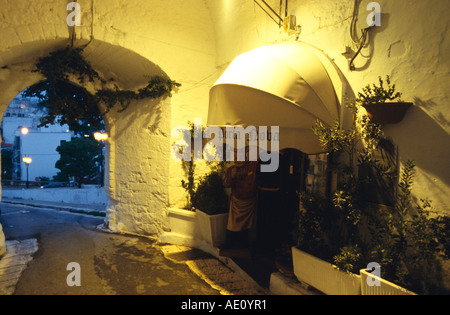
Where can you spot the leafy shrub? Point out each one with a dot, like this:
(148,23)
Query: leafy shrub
(349,230)
(349,259)
(380,93)
(210,196)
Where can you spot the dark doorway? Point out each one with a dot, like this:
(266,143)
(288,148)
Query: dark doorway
(277,218)
(278,201)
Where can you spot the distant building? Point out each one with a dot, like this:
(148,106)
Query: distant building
(39,143)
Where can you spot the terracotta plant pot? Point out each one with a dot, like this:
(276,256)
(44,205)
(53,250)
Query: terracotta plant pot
(387,113)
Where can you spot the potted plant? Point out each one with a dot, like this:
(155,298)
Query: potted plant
(317,259)
(383,103)
(183,221)
(324,276)
(211,204)
(342,232)
(205,214)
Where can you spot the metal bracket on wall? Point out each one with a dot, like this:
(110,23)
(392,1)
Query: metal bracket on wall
(270,12)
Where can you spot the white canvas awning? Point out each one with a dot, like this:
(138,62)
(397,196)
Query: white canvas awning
(284,85)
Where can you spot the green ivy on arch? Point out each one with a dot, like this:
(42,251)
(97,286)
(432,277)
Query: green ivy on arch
(72,104)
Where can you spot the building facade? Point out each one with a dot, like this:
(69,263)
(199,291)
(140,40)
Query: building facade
(194,42)
(22,135)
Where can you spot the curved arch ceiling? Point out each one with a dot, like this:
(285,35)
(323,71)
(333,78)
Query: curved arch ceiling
(284,85)
(126,67)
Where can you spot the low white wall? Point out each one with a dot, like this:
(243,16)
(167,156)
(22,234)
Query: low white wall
(90,195)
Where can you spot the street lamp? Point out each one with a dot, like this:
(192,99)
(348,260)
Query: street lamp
(27,160)
(101,137)
(25,131)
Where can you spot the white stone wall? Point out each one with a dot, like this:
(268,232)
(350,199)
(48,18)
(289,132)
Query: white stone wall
(85,196)
(192,42)
(411,45)
(131,38)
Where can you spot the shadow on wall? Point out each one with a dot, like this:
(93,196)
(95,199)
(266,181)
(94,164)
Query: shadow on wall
(424,140)
(430,105)
(142,139)
(370,46)
(150,115)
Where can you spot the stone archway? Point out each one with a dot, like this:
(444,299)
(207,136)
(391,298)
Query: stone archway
(179,36)
(138,151)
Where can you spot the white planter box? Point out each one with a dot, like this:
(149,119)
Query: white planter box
(213,227)
(384,287)
(184,223)
(323,276)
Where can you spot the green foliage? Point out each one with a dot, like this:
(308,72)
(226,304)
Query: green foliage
(61,177)
(210,196)
(317,225)
(60,64)
(7,164)
(346,202)
(442,228)
(156,88)
(208,193)
(189,185)
(349,259)
(79,158)
(67,103)
(189,166)
(334,139)
(348,229)
(378,93)
(423,261)
(71,104)
(412,245)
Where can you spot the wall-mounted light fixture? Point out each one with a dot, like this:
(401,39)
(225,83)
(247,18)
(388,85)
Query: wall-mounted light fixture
(270,11)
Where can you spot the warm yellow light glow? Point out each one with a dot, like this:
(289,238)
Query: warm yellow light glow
(27,160)
(226,11)
(25,131)
(101,136)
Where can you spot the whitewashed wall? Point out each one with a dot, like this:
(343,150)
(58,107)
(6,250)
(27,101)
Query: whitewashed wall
(192,42)
(411,45)
(131,38)
(84,196)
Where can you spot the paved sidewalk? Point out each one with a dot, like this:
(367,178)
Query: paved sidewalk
(216,273)
(93,209)
(12,265)
(212,271)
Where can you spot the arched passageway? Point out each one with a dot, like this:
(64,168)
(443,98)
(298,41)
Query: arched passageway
(137,152)
(51,162)
(128,41)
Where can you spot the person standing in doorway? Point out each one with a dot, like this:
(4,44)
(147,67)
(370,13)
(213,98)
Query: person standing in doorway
(241,178)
